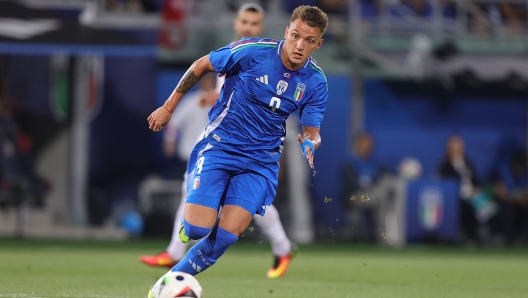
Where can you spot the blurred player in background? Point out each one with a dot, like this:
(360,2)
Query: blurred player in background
(189,121)
(249,23)
(235,166)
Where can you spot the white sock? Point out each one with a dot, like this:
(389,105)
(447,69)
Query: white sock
(271,226)
(176,248)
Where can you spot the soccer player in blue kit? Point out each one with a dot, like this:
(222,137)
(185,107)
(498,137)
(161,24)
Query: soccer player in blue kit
(249,22)
(235,166)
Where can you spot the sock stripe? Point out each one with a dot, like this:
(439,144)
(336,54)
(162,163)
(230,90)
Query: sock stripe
(206,252)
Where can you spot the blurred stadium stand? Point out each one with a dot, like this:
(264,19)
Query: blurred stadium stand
(410,72)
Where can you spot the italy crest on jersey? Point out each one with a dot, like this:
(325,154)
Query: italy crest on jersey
(196,182)
(299,91)
(281,87)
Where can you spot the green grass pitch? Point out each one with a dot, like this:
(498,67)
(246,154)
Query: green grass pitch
(112,270)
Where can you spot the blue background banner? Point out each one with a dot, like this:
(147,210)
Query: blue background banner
(432,211)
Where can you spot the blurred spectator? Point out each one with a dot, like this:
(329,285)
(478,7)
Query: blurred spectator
(361,169)
(512,190)
(19,184)
(362,178)
(458,166)
(515,17)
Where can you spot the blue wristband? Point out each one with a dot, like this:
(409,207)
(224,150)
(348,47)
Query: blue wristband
(307,143)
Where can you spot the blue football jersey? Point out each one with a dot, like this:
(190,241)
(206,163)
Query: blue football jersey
(258,95)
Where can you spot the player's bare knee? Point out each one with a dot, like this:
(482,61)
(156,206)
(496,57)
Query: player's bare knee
(201,216)
(234,219)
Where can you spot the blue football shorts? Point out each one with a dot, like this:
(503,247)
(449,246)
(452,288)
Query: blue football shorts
(217,178)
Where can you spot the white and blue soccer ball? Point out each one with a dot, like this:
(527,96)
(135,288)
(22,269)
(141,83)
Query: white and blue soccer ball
(176,284)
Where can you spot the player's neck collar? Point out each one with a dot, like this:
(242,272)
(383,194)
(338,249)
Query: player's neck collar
(279,51)
(279,48)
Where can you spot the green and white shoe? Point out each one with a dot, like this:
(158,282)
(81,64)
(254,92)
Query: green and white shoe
(183,238)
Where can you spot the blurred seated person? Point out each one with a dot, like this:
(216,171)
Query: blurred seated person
(475,205)
(19,183)
(363,176)
(512,190)
(361,170)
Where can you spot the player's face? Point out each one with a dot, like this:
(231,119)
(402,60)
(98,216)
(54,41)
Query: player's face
(300,42)
(248,24)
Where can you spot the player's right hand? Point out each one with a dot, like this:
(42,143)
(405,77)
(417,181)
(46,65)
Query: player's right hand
(159,119)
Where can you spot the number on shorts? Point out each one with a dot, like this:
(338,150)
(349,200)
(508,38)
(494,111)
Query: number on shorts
(274,103)
(199,164)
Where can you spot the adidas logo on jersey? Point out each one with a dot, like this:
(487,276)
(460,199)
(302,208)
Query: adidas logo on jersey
(263,79)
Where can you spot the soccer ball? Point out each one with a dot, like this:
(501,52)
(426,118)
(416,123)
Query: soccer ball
(410,168)
(176,284)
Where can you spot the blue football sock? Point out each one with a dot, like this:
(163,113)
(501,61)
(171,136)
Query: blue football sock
(195,232)
(206,252)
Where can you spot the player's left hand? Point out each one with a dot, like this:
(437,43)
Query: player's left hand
(307,151)
(159,119)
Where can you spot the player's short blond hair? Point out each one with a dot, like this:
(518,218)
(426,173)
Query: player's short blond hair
(312,16)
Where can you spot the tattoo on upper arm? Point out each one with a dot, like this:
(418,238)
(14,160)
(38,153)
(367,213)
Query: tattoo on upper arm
(188,80)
